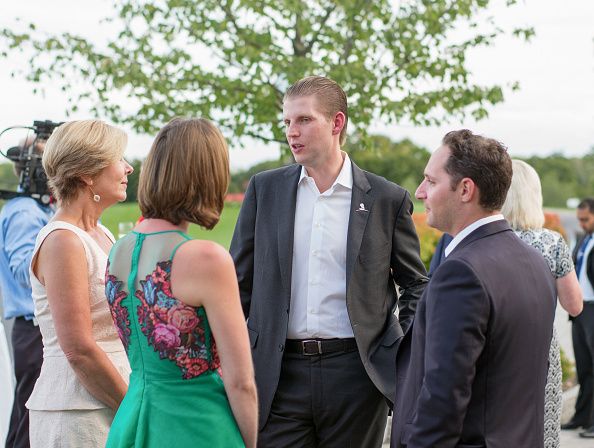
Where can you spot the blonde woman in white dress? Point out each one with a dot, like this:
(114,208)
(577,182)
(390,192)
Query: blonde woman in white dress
(85,369)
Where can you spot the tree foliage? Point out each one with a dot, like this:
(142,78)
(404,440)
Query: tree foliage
(564,177)
(231,60)
(133,178)
(401,162)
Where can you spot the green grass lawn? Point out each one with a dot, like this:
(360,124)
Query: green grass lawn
(222,233)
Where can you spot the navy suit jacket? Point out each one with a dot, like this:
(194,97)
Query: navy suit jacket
(478,349)
(439,254)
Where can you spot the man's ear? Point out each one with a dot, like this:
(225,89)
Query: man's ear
(338,123)
(468,190)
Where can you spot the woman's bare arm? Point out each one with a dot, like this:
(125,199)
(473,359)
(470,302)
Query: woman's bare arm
(203,274)
(570,294)
(61,266)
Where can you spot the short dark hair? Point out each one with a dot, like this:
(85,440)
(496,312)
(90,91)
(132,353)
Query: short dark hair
(484,160)
(186,173)
(587,203)
(329,95)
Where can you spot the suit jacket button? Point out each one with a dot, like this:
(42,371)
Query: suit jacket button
(281,347)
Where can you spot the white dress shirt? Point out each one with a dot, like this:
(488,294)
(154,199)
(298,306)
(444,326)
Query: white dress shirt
(468,230)
(585,285)
(318,283)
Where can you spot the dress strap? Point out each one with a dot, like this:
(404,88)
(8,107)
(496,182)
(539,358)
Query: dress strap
(185,240)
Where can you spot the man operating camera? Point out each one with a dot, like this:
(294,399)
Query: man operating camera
(21,219)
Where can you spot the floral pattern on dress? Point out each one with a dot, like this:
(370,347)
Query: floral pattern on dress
(175,330)
(119,313)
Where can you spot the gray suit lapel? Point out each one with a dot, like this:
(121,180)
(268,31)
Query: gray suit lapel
(361,203)
(286,198)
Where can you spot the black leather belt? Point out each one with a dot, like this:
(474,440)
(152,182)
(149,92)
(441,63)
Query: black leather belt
(312,347)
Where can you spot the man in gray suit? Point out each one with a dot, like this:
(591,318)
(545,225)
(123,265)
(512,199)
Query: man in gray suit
(320,249)
(482,332)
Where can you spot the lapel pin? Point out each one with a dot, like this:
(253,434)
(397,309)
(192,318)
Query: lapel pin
(362,208)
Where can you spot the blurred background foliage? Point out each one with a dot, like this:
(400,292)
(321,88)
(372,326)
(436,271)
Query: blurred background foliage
(403,162)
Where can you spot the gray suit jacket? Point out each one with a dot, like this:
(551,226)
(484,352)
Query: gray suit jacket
(382,252)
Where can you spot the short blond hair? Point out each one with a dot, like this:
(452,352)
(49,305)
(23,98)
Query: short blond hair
(523,204)
(186,174)
(329,97)
(78,149)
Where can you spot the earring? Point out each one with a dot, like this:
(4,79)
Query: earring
(96,197)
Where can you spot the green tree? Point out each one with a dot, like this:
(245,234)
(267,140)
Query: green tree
(564,177)
(231,60)
(133,181)
(401,162)
(239,180)
(8,180)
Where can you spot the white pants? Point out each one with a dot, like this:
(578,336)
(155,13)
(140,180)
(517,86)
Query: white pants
(69,429)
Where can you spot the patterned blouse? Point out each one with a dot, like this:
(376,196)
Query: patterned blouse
(552,246)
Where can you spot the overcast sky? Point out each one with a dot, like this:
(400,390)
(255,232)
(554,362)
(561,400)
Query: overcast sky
(553,111)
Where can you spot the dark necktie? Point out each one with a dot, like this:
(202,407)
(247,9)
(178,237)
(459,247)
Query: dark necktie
(580,254)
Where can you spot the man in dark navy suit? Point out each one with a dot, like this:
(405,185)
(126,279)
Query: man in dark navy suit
(479,344)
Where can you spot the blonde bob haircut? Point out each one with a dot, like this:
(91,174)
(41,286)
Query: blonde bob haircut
(523,204)
(186,174)
(79,149)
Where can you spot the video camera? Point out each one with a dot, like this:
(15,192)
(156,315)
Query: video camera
(27,161)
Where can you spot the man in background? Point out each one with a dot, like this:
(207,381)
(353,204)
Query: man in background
(21,219)
(582,330)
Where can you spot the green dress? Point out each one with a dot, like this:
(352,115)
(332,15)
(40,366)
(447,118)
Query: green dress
(176,396)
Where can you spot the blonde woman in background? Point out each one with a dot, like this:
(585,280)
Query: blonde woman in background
(523,211)
(85,370)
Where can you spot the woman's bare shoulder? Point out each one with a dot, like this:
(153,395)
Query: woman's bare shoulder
(61,242)
(201,256)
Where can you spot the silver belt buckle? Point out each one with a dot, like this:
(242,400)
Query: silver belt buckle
(311,347)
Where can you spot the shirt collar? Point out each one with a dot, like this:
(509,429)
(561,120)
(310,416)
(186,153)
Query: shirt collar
(344,178)
(469,229)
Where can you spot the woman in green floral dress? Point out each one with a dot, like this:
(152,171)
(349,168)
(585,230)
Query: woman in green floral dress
(172,297)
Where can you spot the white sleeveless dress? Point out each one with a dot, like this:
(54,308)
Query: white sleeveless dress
(62,412)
